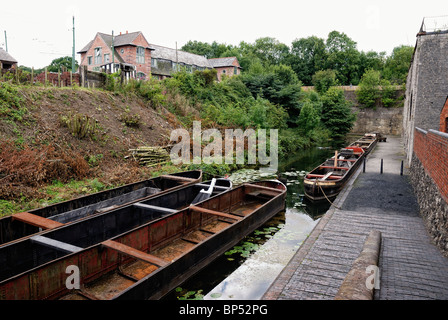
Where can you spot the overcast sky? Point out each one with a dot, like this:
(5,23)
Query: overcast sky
(40,31)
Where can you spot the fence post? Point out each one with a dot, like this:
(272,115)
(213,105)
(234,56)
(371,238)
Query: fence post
(46,76)
(381,169)
(32,75)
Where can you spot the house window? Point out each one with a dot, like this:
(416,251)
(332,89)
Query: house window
(106,58)
(223,71)
(235,70)
(174,65)
(97,55)
(153,63)
(141,76)
(140,55)
(89,60)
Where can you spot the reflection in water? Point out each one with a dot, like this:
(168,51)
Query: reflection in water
(245,274)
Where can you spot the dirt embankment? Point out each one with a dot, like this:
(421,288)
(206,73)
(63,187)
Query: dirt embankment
(75,133)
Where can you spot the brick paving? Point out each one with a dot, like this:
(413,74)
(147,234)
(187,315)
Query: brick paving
(411,267)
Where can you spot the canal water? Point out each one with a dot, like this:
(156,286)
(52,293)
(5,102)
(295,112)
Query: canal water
(247,270)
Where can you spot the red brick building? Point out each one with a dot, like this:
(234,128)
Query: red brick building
(130,52)
(444,118)
(226,66)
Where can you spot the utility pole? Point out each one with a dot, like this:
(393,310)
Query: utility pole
(73,52)
(113,55)
(6,42)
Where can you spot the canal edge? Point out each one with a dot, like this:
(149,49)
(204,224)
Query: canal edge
(275,290)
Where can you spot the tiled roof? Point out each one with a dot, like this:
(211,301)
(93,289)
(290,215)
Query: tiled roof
(5,56)
(119,40)
(182,56)
(222,62)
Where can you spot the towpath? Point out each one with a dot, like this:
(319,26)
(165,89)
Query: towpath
(410,266)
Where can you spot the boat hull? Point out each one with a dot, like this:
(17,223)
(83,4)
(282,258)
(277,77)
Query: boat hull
(28,253)
(12,229)
(326,181)
(101,264)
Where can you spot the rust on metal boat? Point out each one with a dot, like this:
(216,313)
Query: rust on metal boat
(148,261)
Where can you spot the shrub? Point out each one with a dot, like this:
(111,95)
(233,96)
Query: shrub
(80,125)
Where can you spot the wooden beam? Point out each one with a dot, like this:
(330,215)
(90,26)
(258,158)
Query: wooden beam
(35,220)
(176,178)
(263,187)
(135,253)
(216,213)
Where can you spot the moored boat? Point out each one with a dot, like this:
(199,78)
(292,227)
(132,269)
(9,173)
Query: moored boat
(25,224)
(152,259)
(328,179)
(22,255)
(367,143)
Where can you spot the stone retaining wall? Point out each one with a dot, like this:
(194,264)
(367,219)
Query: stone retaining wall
(433,208)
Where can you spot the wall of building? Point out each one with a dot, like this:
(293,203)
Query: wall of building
(427,86)
(429,165)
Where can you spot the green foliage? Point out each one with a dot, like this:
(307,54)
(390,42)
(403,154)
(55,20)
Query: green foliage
(80,125)
(277,84)
(369,89)
(336,113)
(11,102)
(323,80)
(309,117)
(397,65)
(62,63)
(307,56)
(373,89)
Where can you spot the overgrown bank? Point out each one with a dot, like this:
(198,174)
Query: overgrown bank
(60,143)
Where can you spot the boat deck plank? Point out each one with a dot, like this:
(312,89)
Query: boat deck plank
(36,221)
(122,248)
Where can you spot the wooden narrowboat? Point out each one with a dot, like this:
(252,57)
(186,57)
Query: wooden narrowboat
(25,224)
(30,252)
(367,143)
(328,179)
(150,260)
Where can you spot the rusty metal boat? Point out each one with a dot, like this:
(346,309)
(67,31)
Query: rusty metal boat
(30,252)
(327,180)
(147,261)
(25,224)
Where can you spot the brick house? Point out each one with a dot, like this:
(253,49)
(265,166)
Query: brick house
(7,61)
(226,66)
(444,118)
(131,53)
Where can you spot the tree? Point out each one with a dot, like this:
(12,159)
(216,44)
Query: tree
(270,51)
(397,65)
(213,50)
(336,114)
(63,63)
(343,57)
(307,56)
(309,117)
(369,88)
(278,84)
(323,80)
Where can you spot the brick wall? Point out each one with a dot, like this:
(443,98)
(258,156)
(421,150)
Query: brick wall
(431,148)
(428,175)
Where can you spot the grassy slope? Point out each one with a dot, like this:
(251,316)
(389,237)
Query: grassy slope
(103,151)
